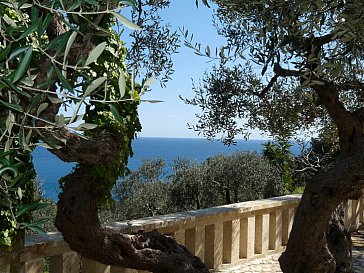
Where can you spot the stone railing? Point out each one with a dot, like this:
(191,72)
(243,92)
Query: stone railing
(220,236)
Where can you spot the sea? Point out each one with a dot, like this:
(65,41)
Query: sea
(50,169)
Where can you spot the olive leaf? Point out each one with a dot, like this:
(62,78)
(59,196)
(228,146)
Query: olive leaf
(95,53)
(125,21)
(122,84)
(24,64)
(94,84)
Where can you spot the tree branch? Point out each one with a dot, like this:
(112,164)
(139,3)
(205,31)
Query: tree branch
(359,114)
(77,220)
(349,126)
(279,72)
(102,149)
(347,177)
(267,88)
(322,40)
(283,72)
(354,85)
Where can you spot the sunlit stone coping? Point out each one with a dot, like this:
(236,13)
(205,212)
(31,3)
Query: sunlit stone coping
(221,236)
(188,219)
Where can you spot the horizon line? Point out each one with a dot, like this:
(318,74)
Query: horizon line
(189,137)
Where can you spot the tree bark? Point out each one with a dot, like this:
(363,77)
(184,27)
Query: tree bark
(78,221)
(78,203)
(316,243)
(339,241)
(9,258)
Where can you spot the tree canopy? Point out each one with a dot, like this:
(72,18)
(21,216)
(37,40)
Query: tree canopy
(277,54)
(65,86)
(154,189)
(51,61)
(286,67)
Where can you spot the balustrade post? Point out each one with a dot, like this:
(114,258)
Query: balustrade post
(361,210)
(348,212)
(214,245)
(9,265)
(355,214)
(195,241)
(5,262)
(190,239)
(34,266)
(231,235)
(247,237)
(179,235)
(275,230)
(200,242)
(66,263)
(9,259)
(261,233)
(91,266)
(287,222)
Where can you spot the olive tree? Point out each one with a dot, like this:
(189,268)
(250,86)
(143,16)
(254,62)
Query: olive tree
(153,189)
(143,192)
(223,179)
(290,66)
(60,55)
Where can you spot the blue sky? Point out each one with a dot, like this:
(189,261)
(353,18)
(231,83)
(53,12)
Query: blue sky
(170,118)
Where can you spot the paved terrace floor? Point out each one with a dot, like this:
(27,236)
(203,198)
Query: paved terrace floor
(270,263)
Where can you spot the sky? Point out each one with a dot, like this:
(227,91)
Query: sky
(170,118)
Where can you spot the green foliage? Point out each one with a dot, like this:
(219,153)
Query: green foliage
(188,186)
(16,195)
(299,190)
(278,57)
(150,53)
(224,179)
(57,55)
(8,228)
(143,192)
(220,180)
(279,155)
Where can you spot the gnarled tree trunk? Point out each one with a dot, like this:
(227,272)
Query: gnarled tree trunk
(77,220)
(318,242)
(9,257)
(339,241)
(77,209)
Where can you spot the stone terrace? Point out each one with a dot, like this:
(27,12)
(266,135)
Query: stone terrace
(244,237)
(270,263)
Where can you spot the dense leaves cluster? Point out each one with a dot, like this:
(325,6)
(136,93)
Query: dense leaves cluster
(55,56)
(277,53)
(65,86)
(151,50)
(222,179)
(298,66)
(279,155)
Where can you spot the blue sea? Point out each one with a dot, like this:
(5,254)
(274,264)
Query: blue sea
(50,169)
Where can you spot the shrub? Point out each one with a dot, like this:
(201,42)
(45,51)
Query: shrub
(224,179)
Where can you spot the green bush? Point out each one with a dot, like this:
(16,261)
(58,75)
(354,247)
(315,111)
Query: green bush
(143,192)
(279,155)
(225,179)
(222,179)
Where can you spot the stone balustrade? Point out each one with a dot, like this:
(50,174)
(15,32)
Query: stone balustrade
(221,236)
